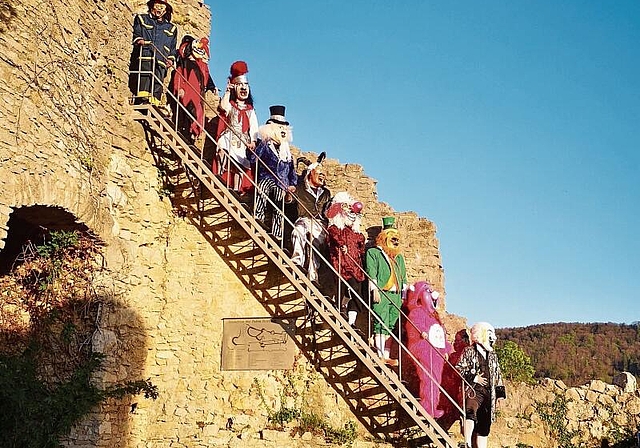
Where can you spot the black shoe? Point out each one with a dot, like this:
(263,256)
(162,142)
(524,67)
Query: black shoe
(140,100)
(359,332)
(244,198)
(263,224)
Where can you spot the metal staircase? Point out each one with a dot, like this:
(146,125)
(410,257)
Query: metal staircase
(373,391)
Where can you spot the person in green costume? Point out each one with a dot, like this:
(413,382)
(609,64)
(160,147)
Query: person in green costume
(387,284)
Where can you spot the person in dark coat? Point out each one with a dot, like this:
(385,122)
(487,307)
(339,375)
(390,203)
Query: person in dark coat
(309,228)
(154,51)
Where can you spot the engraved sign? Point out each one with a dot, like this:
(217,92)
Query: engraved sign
(262,343)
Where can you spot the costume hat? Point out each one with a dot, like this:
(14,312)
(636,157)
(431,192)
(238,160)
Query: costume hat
(388,222)
(238,72)
(277,115)
(185,50)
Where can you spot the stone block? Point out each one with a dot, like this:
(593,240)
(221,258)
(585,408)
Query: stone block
(275,436)
(606,400)
(103,341)
(572,394)
(633,406)
(180,412)
(596,430)
(597,386)
(592,396)
(626,381)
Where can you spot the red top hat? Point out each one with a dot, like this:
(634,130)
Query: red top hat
(238,72)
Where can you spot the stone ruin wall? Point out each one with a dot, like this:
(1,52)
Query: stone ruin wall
(595,412)
(68,140)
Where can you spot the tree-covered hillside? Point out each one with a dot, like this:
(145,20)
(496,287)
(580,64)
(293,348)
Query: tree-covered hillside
(577,353)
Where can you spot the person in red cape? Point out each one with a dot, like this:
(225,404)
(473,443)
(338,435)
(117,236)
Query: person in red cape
(189,84)
(237,132)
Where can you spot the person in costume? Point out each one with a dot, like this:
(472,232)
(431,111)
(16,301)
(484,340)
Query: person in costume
(237,132)
(154,50)
(388,281)
(346,250)
(189,83)
(452,383)
(277,177)
(309,228)
(479,366)
(427,341)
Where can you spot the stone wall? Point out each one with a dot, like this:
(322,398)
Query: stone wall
(68,140)
(591,413)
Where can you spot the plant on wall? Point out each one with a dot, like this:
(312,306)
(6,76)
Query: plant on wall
(293,407)
(48,316)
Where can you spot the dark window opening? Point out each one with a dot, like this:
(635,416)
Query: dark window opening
(32,224)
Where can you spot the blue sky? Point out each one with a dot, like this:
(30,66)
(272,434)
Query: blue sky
(514,126)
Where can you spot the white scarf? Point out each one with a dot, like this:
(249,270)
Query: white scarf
(283,152)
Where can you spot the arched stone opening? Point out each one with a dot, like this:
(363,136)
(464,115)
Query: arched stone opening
(119,333)
(31,223)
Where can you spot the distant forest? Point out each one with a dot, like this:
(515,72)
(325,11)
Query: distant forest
(578,353)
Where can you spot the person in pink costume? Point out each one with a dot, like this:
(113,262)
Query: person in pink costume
(426,336)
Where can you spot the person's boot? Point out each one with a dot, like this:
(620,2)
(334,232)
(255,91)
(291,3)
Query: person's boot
(482,441)
(469,425)
(378,340)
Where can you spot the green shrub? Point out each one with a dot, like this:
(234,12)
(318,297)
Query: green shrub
(57,242)
(514,363)
(553,415)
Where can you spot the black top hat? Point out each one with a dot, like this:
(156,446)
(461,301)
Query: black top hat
(277,115)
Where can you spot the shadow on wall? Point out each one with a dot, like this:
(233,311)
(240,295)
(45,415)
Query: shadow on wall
(7,13)
(65,338)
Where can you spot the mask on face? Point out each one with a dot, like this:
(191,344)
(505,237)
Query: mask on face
(484,334)
(158,10)
(389,241)
(242,90)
